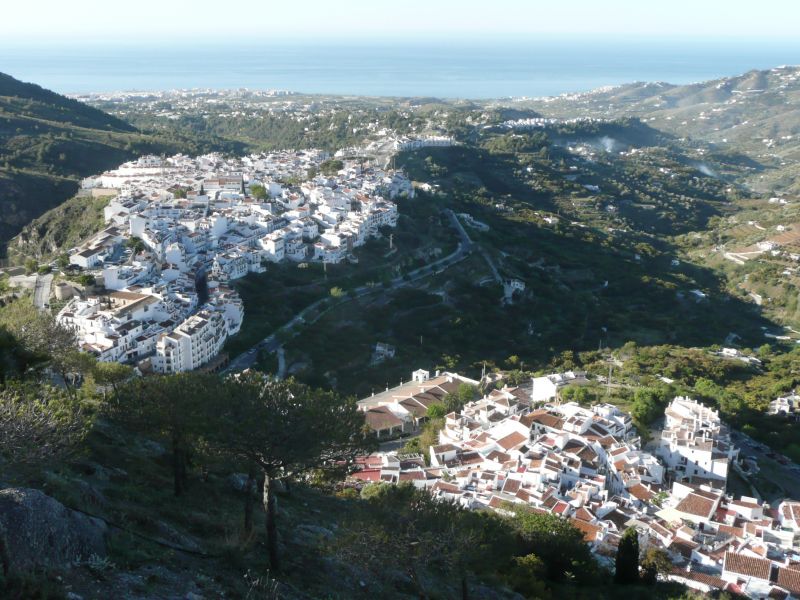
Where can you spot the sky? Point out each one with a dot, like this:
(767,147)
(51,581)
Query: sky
(163,21)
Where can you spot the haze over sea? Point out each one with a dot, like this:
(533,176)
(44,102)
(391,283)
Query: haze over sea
(458,69)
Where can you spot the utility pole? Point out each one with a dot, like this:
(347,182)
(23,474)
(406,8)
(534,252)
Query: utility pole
(608,388)
(391,241)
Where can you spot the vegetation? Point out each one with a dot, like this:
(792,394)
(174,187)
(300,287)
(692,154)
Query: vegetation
(48,142)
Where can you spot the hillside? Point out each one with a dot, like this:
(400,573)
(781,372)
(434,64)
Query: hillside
(49,142)
(584,213)
(756,113)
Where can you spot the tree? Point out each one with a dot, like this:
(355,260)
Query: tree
(627,560)
(655,562)
(86,279)
(648,405)
(407,528)
(436,410)
(286,429)
(31,265)
(258,191)
(45,338)
(177,407)
(331,166)
(455,401)
(15,359)
(558,544)
(135,244)
(527,574)
(111,374)
(62,260)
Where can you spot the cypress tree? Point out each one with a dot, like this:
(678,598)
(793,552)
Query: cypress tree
(627,561)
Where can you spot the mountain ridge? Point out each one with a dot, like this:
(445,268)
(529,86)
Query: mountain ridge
(48,142)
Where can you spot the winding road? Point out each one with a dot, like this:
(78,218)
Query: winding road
(272,342)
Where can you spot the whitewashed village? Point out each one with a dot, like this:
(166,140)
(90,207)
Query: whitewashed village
(519,445)
(180,229)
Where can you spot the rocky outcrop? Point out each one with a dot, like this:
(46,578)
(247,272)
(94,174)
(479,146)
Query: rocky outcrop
(37,531)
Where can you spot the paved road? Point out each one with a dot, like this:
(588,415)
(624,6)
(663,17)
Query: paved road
(779,474)
(41,293)
(272,342)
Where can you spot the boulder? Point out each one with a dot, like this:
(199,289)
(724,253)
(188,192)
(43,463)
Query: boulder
(37,531)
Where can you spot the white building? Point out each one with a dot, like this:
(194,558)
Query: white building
(694,442)
(192,344)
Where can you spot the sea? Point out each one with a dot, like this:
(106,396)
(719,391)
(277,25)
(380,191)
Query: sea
(470,69)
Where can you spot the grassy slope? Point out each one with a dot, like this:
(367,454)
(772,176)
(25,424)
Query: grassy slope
(48,142)
(59,229)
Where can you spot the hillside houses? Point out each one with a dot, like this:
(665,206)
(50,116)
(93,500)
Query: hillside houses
(180,229)
(585,464)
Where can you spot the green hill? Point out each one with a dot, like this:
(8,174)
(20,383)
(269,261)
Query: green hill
(756,114)
(48,143)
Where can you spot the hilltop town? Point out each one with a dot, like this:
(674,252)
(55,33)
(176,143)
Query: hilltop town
(522,446)
(180,229)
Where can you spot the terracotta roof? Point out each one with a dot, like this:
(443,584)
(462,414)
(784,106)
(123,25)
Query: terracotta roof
(496,502)
(710,580)
(789,579)
(512,440)
(747,565)
(523,495)
(731,530)
(560,508)
(380,418)
(589,530)
(683,547)
(415,407)
(542,417)
(498,456)
(511,486)
(444,448)
(367,475)
(446,487)
(640,492)
(695,504)
(791,511)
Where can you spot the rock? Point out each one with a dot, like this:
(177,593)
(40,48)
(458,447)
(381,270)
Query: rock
(193,596)
(37,531)
(311,535)
(74,596)
(171,535)
(90,495)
